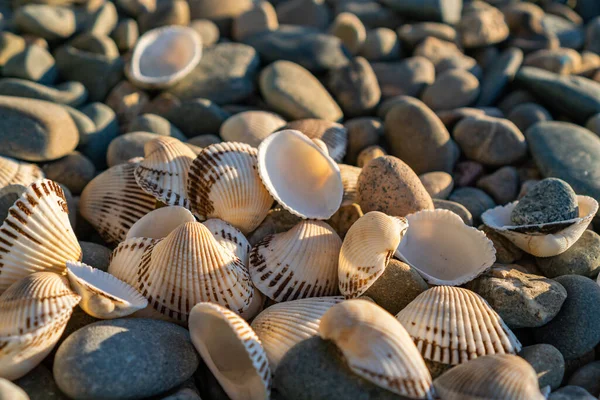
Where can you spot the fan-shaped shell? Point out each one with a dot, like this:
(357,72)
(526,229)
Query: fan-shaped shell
(250,127)
(299,263)
(377,347)
(229,237)
(36,235)
(443,249)
(33,314)
(366,251)
(112,202)
(452,325)
(223,183)
(333,134)
(159,223)
(299,175)
(548,239)
(126,258)
(349,175)
(13,172)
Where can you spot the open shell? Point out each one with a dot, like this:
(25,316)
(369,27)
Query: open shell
(299,175)
(377,347)
(36,235)
(223,183)
(103,295)
(34,312)
(229,237)
(349,175)
(452,325)
(333,134)
(13,172)
(549,239)
(443,249)
(250,127)
(299,263)
(159,223)
(366,251)
(127,257)
(232,351)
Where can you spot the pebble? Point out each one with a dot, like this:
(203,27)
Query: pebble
(96,255)
(127,146)
(74,171)
(381,44)
(47,21)
(571,393)
(506,251)
(460,62)
(351,31)
(526,115)
(278,220)
(344,217)
(436,50)
(587,377)
(569,35)
(371,13)
(126,35)
(560,61)
(204,140)
(107,128)
(592,42)
(502,185)
(498,75)
(85,126)
(453,89)
(39,385)
(260,18)
(197,116)
(127,101)
(473,199)
(221,12)
(551,200)
(312,13)
(369,153)
(413,34)
(547,362)
(438,184)
(582,258)
(593,124)
(251,127)
(167,12)
(483,27)
(8,195)
(466,173)
(10,391)
(451,117)
(362,133)
(408,77)
(155,124)
(72,93)
(208,31)
(448,11)
(10,45)
(513,99)
(456,208)
(34,64)
(355,87)
(103,20)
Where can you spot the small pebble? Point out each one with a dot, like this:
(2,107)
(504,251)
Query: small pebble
(355,87)
(260,18)
(502,185)
(95,255)
(571,393)
(587,377)
(456,208)
(381,44)
(475,200)
(438,184)
(312,13)
(127,146)
(208,31)
(74,171)
(368,154)
(351,31)
(408,77)
(551,200)
(483,28)
(526,115)
(582,258)
(453,89)
(155,124)
(547,362)
(362,133)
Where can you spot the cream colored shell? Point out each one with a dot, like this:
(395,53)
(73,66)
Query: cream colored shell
(349,175)
(250,127)
(159,223)
(229,237)
(126,258)
(13,172)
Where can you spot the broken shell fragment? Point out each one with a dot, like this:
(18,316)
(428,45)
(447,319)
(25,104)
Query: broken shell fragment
(159,223)
(229,237)
(13,172)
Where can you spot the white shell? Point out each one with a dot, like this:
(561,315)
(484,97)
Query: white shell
(349,175)
(159,223)
(232,352)
(229,237)
(299,175)
(250,127)
(103,295)
(36,235)
(553,239)
(443,249)
(13,172)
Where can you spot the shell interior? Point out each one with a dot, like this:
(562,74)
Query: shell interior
(229,237)
(13,172)
(159,223)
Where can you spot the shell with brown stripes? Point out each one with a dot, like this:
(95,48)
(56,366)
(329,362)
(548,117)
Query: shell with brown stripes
(13,172)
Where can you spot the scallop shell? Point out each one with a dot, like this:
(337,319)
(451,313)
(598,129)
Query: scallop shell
(164,171)
(377,347)
(13,172)
(36,235)
(102,295)
(112,202)
(232,351)
(229,237)
(366,251)
(461,252)
(164,56)
(334,135)
(303,179)
(282,326)
(550,239)
(452,325)
(299,263)
(126,258)
(223,183)
(34,312)
(494,377)
(250,127)
(159,223)
(349,175)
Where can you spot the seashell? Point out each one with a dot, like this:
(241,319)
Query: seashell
(250,127)
(494,377)
(452,325)
(13,172)
(164,171)
(377,347)
(288,157)
(232,351)
(548,239)
(461,252)
(334,135)
(229,237)
(127,257)
(299,263)
(321,145)
(33,314)
(349,175)
(366,251)
(159,223)
(36,235)
(102,295)
(164,56)
(112,202)
(282,326)
(223,183)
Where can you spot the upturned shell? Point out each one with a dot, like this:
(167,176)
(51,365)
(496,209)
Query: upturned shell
(33,314)
(366,251)
(223,183)
(229,237)
(126,258)
(377,347)
(232,351)
(36,235)
(443,249)
(13,172)
(299,175)
(299,263)
(452,325)
(159,223)
(349,175)
(333,134)
(250,127)
(548,239)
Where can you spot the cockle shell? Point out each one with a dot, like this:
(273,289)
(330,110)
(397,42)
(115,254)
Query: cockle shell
(229,237)
(159,223)
(13,172)
(366,251)
(103,295)
(377,347)
(452,325)
(232,351)
(548,239)
(36,235)
(250,127)
(223,183)
(126,258)
(349,175)
(333,134)
(299,263)
(33,314)
(443,249)
(299,175)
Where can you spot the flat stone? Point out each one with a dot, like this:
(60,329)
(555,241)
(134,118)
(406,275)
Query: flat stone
(571,393)
(483,27)
(74,171)
(548,363)
(526,115)
(34,64)
(582,258)
(413,34)
(381,44)
(587,377)
(127,146)
(436,50)
(95,255)
(498,75)
(312,13)
(167,12)
(502,185)
(456,208)
(454,88)
(39,385)
(560,61)
(506,251)
(438,184)
(362,133)
(107,128)
(49,22)
(355,87)
(371,13)
(155,124)
(448,11)
(197,116)
(71,93)
(408,77)
(351,31)
(550,200)
(475,200)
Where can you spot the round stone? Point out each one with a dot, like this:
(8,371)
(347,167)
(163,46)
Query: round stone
(381,44)
(251,127)
(587,377)
(452,89)
(475,200)
(483,27)
(34,64)
(155,124)
(550,200)
(74,171)
(369,153)
(547,362)
(502,185)
(351,31)
(355,87)
(456,208)
(571,393)
(127,146)
(362,133)
(436,50)
(438,184)
(208,31)
(407,77)
(526,115)
(39,385)
(582,258)
(95,255)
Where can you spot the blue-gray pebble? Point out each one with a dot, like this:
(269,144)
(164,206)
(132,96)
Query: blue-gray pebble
(550,200)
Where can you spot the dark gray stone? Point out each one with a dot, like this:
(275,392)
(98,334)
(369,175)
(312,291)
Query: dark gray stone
(155,124)
(569,34)
(8,195)
(548,363)
(71,93)
(502,185)
(475,200)
(582,258)
(498,75)
(448,11)
(127,146)
(107,128)
(362,133)
(407,77)
(456,208)
(39,385)
(528,114)
(550,200)
(198,116)
(74,171)
(571,393)
(587,377)
(95,255)
(355,87)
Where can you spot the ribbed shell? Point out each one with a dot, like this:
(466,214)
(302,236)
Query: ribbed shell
(452,325)
(36,235)
(282,326)
(250,127)
(163,173)
(366,251)
(13,172)
(112,202)
(299,263)
(223,183)
(243,369)
(333,134)
(377,347)
(349,175)
(126,258)
(33,314)
(229,237)
(494,377)
(159,223)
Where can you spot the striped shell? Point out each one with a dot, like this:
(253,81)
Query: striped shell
(159,223)
(229,237)
(13,172)
(232,351)
(126,258)
(250,127)
(36,235)
(333,134)
(349,175)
